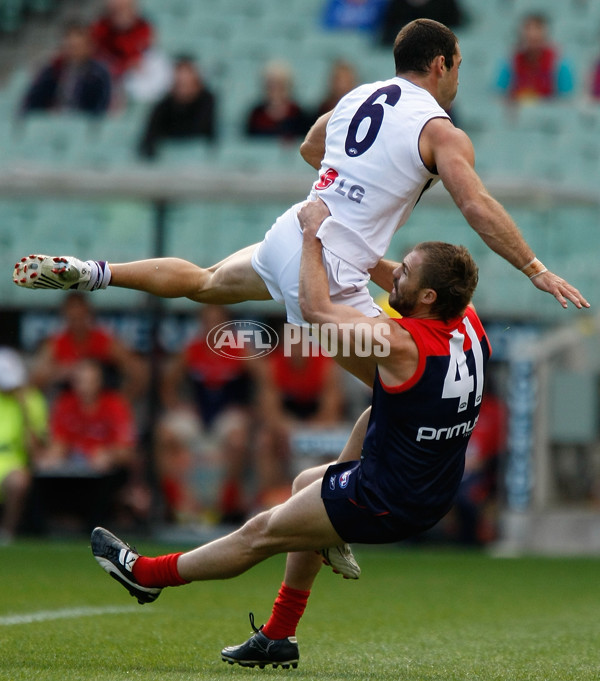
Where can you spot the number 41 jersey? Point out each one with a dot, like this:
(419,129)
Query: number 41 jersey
(414,449)
(372,174)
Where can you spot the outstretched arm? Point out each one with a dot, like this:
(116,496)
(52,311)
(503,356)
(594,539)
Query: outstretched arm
(450,150)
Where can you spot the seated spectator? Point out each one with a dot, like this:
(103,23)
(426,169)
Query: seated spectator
(186,112)
(221,389)
(400,12)
(125,42)
(23,422)
(83,338)
(535,70)
(122,36)
(93,438)
(360,15)
(295,391)
(73,80)
(342,79)
(278,115)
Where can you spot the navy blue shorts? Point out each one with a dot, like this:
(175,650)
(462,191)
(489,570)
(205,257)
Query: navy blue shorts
(357,517)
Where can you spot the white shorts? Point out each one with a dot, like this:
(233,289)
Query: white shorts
(277,261)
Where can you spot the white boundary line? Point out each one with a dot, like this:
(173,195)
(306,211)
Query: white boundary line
(66,613)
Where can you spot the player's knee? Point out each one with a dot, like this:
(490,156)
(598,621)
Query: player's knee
(256,532)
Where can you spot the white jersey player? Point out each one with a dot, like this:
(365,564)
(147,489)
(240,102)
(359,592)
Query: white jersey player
(381,147)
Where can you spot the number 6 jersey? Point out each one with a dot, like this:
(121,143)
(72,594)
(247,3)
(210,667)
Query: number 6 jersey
(372,174)
(414,449)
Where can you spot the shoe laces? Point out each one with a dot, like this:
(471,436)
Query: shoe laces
(255,629)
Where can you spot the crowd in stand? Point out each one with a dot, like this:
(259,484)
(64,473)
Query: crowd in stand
(79,427)
(81,445)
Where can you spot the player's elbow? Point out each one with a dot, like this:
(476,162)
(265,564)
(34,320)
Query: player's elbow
(311,312)
(311,154)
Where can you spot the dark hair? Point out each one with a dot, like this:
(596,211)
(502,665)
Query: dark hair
(452,273)
(420,42)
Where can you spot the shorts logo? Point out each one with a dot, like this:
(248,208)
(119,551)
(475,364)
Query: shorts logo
(332,482)
(344,479)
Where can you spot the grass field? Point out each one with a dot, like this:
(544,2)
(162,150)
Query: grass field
(418,615)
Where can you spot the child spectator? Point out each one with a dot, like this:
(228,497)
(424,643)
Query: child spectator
(535,70)
(92,447)
(73,80)
(186,112)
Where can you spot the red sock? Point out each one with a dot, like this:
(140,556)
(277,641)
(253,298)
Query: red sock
(287,610)
(160,571)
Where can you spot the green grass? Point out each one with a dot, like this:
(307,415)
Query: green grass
(413,615)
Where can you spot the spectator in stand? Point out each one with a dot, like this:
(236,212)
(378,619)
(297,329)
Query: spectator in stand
(359,15)
(83,338)
(296,391)
(122,36)
(221,390)
(278,115)
(535,70)
(73,80)
(342,79)
(125,41)
(92,438)
(186,112)
(400,12)
(23,423)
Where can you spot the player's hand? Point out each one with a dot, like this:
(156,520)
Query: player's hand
(311,215)
(560,289)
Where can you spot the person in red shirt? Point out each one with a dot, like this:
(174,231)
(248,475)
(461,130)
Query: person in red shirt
(83,338)
(221,389)
(122,36)
(92,445)
(536,69)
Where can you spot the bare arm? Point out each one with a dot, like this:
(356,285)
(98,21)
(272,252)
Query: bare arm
(391,347)
(383,274)
(450,150)
(312,149)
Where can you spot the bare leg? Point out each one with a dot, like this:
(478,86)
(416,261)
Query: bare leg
(302,568)
(232,280)
(300,524)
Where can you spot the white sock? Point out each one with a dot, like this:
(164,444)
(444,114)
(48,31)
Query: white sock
(100,275)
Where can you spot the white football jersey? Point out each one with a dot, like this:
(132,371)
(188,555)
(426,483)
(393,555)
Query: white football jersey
(372,174)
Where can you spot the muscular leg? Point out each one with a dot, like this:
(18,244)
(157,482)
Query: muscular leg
(300,524)
(301,568)
(232,280)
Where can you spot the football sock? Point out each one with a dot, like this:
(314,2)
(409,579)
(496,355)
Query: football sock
(100,275)
(160,571)
(287,610)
